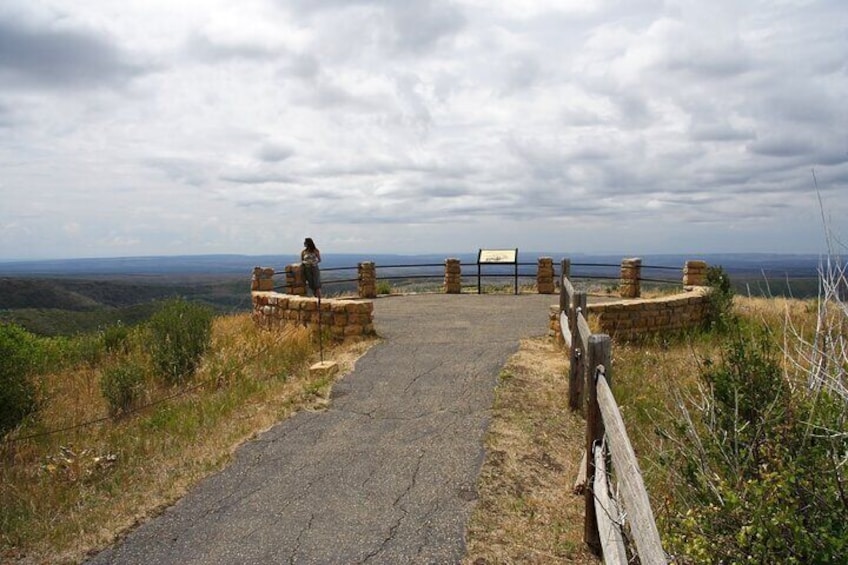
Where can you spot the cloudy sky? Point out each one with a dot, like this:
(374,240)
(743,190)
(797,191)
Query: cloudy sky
(169,127)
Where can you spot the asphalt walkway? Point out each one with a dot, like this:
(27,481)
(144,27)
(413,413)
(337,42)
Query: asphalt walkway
(386,475)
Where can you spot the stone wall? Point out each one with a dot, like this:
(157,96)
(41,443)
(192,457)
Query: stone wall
(343,319)
(634,319)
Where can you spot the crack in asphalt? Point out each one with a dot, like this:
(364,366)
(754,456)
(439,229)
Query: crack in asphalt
(421,375)
(296,549)
(397,504)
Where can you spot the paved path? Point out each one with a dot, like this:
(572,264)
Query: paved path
(386,475)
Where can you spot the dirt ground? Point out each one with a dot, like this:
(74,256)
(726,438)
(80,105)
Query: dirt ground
(527,511)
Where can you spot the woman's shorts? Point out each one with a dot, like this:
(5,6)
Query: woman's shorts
(313,276)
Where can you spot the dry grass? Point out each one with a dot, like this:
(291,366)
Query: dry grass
(651,380)
(527,512)
(66,494)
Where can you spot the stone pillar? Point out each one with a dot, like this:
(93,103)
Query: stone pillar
(695,273)
(631,272)
(453,276)
(263,279)
(295,281)
(367,279)
(545,276)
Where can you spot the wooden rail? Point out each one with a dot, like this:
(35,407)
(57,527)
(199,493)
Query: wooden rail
(606,440)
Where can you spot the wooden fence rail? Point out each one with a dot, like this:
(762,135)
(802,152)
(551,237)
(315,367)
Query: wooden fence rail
(606,440)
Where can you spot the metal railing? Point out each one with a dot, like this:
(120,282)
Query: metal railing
(593,271)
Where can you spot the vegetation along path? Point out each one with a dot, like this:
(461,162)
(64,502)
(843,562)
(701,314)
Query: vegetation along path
(386,475)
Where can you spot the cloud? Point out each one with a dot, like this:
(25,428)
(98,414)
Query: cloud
(719,132)
(253,176)
(420,26)
(420,126)
(56,57)
(274,152)
(180,169)
(204,48)
(7,117)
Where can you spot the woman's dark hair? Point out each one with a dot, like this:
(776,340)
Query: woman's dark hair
(310,245)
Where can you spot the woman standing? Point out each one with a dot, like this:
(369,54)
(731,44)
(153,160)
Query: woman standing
(309,258)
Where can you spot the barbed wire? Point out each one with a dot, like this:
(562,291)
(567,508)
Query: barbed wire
(102,419)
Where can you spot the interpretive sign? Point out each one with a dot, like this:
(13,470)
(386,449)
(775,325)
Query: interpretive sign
(496,257)
(500,256)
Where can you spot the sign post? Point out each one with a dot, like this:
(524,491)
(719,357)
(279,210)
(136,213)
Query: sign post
(496,257)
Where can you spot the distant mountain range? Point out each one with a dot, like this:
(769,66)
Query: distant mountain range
(792,265)
(68,296)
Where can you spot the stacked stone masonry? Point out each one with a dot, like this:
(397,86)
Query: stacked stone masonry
(263,279)
(695,273)
(634,319)
(453,276)
(343,319)
(295,281)
(545,276)
(631,272)
(367,279)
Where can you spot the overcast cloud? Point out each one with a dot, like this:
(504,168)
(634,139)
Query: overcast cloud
(147,127)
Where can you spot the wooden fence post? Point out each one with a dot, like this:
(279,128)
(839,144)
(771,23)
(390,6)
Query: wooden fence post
(565,270)
(577,369)
(598,359)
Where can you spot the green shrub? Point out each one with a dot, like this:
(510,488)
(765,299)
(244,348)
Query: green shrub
(180,333)
(720,315)
(384,287)
(122,386)
(116,338)
(760,463)
(89,349)
(19,358)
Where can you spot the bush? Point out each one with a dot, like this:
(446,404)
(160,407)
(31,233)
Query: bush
(19,357)
(88,349)
(122,386)
(116,338)
(720,314)
(384,287)
(180,333)
(762,482)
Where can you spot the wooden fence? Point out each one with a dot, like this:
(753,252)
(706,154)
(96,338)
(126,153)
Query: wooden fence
(606,441)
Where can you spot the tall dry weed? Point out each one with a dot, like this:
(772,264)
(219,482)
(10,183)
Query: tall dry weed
(66,492)
(736,462)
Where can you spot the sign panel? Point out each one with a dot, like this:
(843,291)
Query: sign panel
(498,256)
